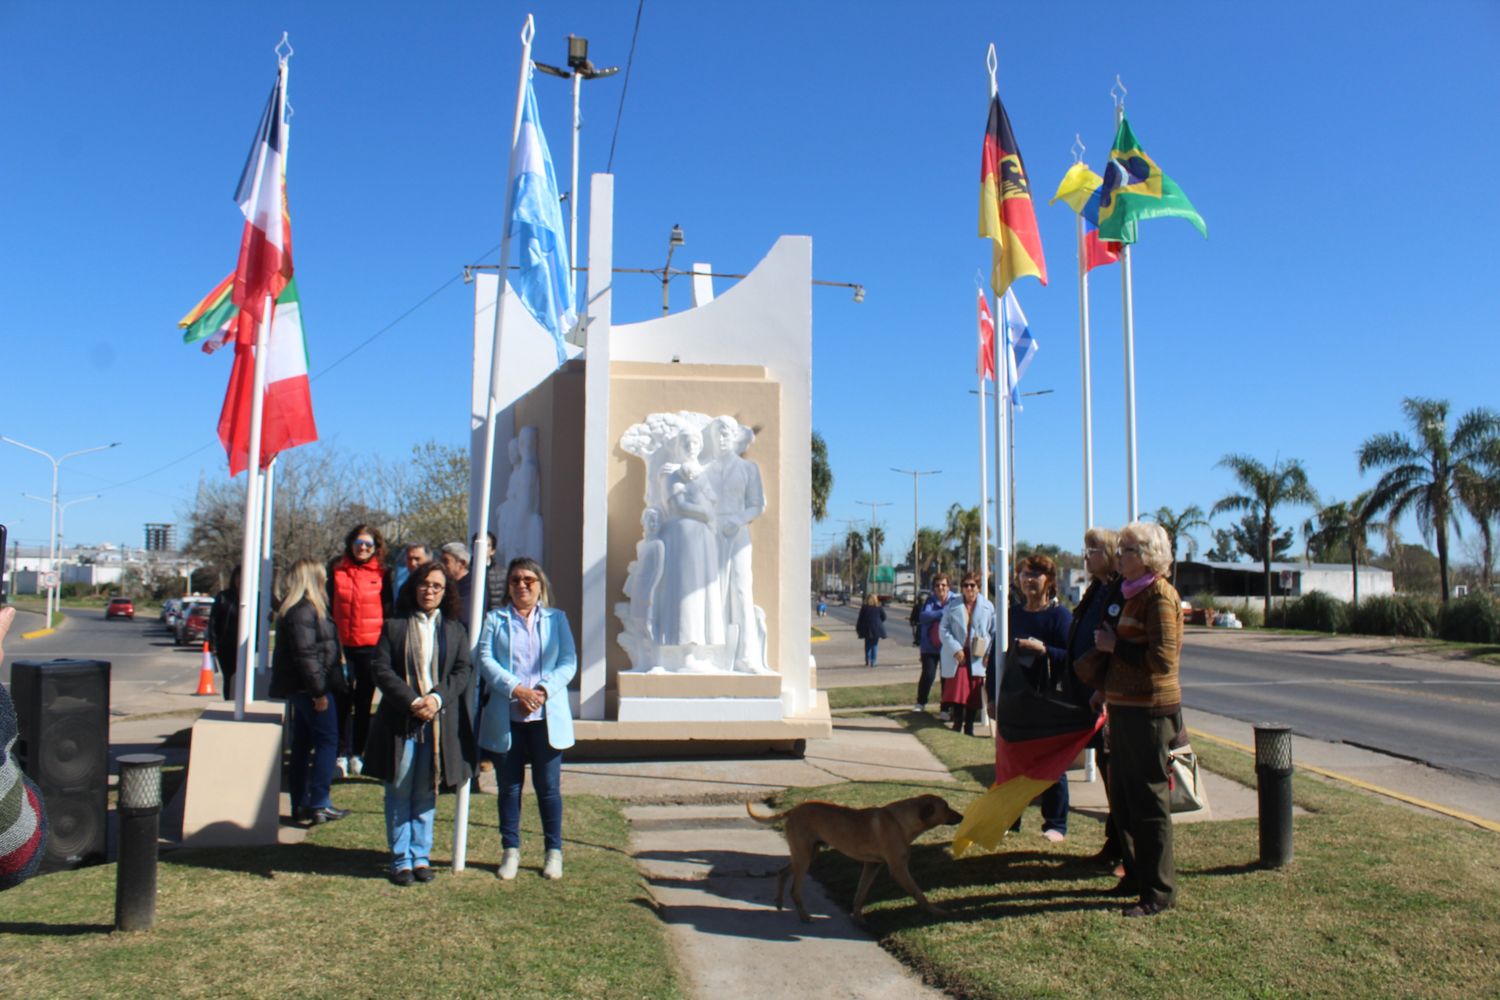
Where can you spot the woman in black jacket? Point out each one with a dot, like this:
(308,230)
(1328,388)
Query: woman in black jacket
(421,736)
(305,671)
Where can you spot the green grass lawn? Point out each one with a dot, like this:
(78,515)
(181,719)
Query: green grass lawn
(320,919)
(1380,902)
(900,693)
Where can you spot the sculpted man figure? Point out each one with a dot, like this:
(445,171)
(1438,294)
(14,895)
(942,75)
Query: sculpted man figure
(741,499)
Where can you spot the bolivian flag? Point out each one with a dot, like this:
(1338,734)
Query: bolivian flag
(210,322)
(1135,188)
(1040,735)
(1006,214)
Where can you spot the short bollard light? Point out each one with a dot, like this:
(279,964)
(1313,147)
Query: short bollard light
(139,809)
(1273,785)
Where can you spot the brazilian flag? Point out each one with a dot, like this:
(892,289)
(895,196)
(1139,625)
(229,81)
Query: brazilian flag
(1135,188)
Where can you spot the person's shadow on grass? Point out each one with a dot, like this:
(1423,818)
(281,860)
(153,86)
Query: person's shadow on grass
(306,858)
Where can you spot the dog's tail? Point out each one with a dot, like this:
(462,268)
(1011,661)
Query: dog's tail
(750,808)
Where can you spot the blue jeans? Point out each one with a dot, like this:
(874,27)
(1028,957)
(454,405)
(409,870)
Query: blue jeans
(870,647)
(410,802)
(315,741)
(1055,806)
(528,745)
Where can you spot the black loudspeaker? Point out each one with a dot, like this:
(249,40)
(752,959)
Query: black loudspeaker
(63,710)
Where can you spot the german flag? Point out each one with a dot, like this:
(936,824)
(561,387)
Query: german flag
(1041,732)
(1006,214)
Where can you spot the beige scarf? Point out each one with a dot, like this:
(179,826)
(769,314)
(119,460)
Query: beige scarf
(421,653)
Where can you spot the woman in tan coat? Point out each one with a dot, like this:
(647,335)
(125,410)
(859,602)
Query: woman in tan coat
(1134,662)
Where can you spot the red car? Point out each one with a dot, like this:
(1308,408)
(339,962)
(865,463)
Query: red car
(194,627)
(120,607)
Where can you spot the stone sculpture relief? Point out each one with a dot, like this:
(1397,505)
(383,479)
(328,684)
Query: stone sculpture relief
(519,523)
(691,590)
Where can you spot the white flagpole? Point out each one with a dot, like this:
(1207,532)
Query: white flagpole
(984,498)
(250,553)
(263,622)
(1132,481)
(1002,517)
(1087,378)
(478,565)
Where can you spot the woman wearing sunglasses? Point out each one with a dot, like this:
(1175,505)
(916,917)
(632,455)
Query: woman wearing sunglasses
(419,736)
(526,659)
(1134,662)
(359,592)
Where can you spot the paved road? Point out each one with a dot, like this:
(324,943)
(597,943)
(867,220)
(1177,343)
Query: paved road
(148,672)
(1439,713)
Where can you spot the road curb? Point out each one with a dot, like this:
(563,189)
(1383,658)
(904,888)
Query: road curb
(38,633)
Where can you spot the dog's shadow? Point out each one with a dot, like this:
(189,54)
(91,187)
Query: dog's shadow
(748,879)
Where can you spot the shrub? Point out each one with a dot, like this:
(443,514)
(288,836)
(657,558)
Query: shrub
(1404,614)
(1471,618)
(1317,612)
(1250,614)
(1205,600)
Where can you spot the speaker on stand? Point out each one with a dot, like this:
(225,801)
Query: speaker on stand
(63,710)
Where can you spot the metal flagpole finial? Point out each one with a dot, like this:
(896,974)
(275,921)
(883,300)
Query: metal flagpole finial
(1118,92)
(529,31)
(991,63)
(1078,148)
(283,56)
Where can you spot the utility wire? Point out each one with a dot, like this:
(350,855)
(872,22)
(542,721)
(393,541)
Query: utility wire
(625,87)
(346,356)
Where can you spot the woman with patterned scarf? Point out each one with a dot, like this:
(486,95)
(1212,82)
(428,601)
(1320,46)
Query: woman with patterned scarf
(420,737)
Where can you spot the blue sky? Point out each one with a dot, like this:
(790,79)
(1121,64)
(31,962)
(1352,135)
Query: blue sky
(1340,153)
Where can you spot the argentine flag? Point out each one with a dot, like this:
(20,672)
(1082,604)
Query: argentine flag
(1023,346)
(539,243)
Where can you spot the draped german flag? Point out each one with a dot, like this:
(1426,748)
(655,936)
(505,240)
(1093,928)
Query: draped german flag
(1040,735)
(1006,214)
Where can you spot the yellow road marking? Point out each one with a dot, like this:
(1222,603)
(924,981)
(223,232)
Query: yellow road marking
(1478,821)
(37,633)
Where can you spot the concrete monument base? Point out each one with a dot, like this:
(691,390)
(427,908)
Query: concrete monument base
(233,787)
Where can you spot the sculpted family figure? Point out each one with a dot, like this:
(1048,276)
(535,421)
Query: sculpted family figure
(691,590)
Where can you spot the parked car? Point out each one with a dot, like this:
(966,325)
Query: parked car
(120,607)
(184,605)
(193,625)
(169,611)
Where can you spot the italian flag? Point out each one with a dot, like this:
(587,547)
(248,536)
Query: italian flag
(287,419)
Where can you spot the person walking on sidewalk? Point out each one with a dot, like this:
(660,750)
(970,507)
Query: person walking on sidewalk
(929,639)
(527,658)
(420,738)
(870,626)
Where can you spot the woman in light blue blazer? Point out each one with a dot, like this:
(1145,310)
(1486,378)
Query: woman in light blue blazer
(527,658)
(963,672)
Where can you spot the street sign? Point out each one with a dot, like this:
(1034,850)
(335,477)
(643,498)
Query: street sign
(49,579)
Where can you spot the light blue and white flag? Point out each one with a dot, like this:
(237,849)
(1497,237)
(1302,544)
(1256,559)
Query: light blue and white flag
(539,240)
(1023,346)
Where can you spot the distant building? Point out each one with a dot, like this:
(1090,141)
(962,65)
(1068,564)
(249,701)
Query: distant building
(1288,580)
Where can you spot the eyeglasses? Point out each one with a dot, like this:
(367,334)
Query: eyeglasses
(971,586)
(1133,550)
(363,543)
(432,585)
(1093,551)
(524,581)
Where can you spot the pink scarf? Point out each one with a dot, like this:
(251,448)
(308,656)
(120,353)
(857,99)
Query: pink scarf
(1132,587)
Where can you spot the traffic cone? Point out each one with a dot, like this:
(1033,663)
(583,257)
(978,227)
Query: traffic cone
(206,674)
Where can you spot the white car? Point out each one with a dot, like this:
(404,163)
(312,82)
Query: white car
(180,606)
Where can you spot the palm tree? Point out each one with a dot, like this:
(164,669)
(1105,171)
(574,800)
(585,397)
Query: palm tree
(933,552)
(1177,526)
(1428,474)
(1263,490)
(822,477)
(1481,498)
(1345,524)
(963,528)
(876,535)
(854,544)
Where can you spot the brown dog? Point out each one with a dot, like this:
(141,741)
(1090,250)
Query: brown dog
(876,835)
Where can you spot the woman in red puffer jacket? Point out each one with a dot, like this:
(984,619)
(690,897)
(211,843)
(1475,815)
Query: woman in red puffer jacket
(360,596)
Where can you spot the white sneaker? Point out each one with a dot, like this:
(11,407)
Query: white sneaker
(356,765)
(341,764)
(943,716)
(510,863)
(919,707)
(552,867)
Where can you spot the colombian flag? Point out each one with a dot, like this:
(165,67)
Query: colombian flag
(1080,191)
(1006,214)
(1040,735)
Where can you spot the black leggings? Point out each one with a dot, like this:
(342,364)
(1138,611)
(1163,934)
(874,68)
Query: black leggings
(354,710)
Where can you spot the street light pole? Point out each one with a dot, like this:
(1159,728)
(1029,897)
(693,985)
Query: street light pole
(56,470)
(916,549)
(872,504)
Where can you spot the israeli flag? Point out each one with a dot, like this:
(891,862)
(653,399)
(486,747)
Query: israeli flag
(1023,346)
(539,242)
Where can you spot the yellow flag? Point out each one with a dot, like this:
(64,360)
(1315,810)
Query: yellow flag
(1077,184)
